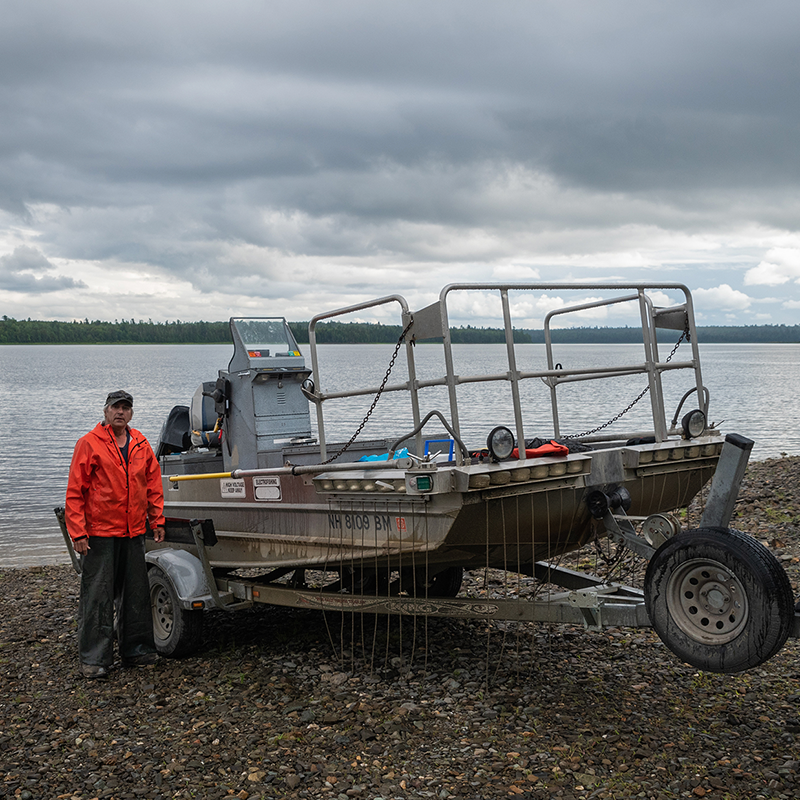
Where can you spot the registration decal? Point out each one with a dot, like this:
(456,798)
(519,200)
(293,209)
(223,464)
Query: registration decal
(381,523)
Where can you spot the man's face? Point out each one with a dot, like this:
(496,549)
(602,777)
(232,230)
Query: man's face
(118,415)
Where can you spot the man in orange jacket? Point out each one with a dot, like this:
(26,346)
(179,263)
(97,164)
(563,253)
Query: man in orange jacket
(114,491)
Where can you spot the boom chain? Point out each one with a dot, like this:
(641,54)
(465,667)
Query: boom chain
(375,400)
(684,335)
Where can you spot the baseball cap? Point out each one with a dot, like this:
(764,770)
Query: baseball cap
(119,397)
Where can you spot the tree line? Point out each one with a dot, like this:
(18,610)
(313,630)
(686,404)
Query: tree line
(707,334)
(377,333)
(30,331)
(13,331)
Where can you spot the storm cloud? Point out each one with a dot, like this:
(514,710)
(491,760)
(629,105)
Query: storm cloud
(22,272)
(199,159)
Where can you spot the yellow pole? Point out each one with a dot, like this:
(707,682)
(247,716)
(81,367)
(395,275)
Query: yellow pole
(203,477)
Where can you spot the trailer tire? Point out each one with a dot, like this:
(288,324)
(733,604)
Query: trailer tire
(445,583)
(177,631)
(719,599)
(358,581)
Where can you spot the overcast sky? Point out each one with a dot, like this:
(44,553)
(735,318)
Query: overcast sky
(196,160)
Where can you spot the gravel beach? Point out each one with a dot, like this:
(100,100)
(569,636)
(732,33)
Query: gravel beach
(286,703)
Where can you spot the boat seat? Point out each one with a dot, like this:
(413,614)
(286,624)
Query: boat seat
(205,431)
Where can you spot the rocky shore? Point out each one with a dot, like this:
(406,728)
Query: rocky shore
(282,703)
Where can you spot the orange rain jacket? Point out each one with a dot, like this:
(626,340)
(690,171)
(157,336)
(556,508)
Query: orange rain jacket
(106,497)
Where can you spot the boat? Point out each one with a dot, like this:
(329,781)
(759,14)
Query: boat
(263,508)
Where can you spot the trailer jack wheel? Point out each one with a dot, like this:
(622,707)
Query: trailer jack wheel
(177,631)
(719,599)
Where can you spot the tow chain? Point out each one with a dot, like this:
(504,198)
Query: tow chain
(608,560)
(684,335)
(377,397)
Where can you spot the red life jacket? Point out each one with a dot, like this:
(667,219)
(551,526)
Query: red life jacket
(552,448)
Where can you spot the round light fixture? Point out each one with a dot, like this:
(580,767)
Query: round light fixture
(693,424)
(309,390)
(500,443)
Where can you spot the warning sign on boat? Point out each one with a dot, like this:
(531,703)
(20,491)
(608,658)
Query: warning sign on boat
(232,487)
(267,488)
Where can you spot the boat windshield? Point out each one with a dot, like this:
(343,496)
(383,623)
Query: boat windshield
(264,332)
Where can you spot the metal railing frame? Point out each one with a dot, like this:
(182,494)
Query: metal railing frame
(436,324)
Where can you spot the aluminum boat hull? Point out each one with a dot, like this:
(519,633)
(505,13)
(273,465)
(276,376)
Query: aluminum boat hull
(495,515)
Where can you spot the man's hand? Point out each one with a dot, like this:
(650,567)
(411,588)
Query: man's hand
(158,534)
(81,546)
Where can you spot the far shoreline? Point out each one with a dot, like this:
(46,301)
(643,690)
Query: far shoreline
(54,332)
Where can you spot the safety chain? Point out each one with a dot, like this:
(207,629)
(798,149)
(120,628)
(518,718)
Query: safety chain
(377,397)
(608,560)
(684,335)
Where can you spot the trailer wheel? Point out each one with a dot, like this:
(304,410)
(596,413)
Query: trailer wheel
(446,583)
(358,581)
(177,631)
(719,599)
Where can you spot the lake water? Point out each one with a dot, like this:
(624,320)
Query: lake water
(52,395)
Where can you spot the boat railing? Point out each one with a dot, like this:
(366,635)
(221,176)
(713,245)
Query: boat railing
(412,386)
(432,322)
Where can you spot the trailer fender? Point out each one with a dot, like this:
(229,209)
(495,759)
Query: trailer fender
(185,572)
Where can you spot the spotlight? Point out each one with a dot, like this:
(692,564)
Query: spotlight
(693,424)
(500,443)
